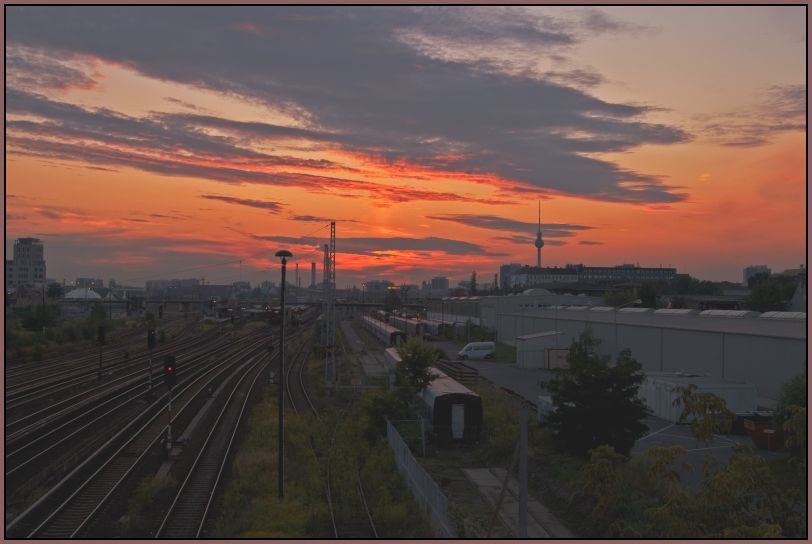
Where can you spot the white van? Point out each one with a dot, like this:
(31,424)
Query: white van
(478,350)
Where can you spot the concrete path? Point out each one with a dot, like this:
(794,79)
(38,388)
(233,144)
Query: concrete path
(372,363)
(541,523)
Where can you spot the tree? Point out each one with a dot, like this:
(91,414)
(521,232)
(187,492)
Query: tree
(790,416)
(418,357)
(766,295)
(648,295)
(411,376)
(597,404)
(391,301)
(707,413)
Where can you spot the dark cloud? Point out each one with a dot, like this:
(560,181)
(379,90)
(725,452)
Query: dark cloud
(596,21)
(576,78)
(164,216)
(492,222)
(375,246)
(590,243)
(518,239)
(29,68)
(782,108)
(172,138)
(183,103)
(177,149)
(269,205)
(350,76)
(316,219)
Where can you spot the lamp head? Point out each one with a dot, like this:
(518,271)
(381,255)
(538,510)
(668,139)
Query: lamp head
(284,253)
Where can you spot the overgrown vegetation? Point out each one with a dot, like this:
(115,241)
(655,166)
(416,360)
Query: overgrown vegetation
(791,418)
(251,507)
(35,330)
(645,496)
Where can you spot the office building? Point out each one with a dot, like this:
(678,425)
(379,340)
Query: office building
(439,283)
(752,270)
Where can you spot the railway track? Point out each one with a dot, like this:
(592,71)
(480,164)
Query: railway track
(73,504)
(188,513)
(46,370)
(360,524)
(54,381)
(61,444)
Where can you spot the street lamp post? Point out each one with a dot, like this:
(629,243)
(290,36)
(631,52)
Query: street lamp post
(635,301)
(284,254)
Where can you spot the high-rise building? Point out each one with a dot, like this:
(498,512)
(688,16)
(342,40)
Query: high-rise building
(439,283)
(505,272)
(28,265)
(752,270)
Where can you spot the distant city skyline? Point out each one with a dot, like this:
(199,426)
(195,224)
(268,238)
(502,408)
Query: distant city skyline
(162,142)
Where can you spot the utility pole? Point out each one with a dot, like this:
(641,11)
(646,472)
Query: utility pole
(523,472)
(325,292)
(331,286)
(284,254)
(101,344)
(151,346)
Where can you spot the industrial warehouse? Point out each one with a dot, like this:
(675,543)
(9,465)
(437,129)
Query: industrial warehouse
(764,350)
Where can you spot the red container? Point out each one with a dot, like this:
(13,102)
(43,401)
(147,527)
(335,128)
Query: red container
(763,434)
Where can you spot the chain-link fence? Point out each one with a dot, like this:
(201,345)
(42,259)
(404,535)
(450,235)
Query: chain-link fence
(425,490)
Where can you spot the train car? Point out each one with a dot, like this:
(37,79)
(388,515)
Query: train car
(387,334)
(275,315)
(381,315)
(453,412)
(297,315)
(391,359)
(412,327)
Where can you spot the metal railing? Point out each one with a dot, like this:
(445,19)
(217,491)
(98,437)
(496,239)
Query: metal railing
(425,490)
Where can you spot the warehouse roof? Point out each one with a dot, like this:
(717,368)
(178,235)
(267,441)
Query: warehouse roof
(776,327)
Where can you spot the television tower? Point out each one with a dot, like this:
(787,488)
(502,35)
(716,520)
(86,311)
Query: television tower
(539,242)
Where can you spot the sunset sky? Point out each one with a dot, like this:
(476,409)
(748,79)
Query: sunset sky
(170,142)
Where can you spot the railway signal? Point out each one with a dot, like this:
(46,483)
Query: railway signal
(170,372)
(151,346)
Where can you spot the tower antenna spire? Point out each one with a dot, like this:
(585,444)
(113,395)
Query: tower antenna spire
(539,242)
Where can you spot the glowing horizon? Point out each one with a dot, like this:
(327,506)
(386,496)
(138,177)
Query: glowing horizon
(224,134)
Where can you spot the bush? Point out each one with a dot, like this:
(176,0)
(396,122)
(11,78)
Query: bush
(793,393)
